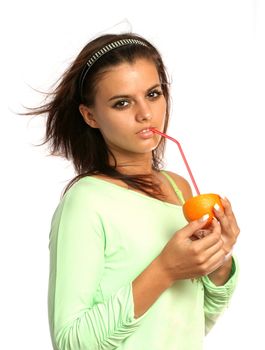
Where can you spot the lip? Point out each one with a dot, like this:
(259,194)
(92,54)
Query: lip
(147,128)
(145,133)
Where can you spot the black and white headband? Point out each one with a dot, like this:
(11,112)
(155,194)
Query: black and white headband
(105,49)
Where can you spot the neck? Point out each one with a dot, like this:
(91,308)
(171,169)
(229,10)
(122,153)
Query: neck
(141,165)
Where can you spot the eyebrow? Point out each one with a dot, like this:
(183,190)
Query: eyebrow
(128,96)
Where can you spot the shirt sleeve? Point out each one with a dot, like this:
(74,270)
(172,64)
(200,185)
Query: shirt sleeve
(217,298)
(76,266)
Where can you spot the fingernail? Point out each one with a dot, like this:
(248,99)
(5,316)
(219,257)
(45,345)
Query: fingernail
(216,206)
(204,218)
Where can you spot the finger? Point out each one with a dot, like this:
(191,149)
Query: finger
(230,214)
(228,208)
(215,248)
(206,257)
(216,261)
(212,262)
(222,218)
(211,239)
(193,226)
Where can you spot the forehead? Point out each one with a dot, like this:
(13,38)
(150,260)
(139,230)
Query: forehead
(140,74)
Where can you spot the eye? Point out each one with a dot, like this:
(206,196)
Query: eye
(155,94)
(121,104)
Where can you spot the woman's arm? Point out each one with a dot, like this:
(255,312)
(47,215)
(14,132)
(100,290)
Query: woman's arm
(220,284)
(221,275)
(181,258)
(230,232)
(76,267)
(217,297)
(148,286)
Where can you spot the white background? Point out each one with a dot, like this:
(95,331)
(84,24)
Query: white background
(214,52)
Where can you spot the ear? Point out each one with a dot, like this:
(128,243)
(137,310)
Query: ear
(87,115)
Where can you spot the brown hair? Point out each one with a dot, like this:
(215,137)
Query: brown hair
(66,131)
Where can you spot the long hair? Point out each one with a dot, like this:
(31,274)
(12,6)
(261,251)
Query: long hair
(69,136)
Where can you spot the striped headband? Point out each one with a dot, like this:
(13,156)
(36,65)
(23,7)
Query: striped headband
(102,52)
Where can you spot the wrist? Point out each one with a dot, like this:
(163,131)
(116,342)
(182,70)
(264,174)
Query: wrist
(162,272)
(222,274)
(228,246)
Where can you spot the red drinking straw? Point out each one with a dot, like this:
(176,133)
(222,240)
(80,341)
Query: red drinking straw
(183,157)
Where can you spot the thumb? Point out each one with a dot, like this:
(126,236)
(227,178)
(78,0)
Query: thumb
(193,226)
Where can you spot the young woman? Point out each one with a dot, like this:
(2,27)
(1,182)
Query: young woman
(126,269)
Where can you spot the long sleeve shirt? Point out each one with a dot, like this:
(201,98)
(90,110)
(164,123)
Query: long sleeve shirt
(102,237)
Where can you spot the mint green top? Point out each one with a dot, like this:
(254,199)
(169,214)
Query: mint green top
(102,237)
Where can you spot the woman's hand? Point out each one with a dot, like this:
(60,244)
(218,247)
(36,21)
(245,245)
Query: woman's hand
(228,223)
(184,257)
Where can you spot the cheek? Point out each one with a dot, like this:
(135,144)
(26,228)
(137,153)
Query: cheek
(163,109)
(112,121)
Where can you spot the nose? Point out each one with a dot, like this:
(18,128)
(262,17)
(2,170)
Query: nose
(143,112)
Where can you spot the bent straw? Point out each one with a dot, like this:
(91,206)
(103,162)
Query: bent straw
(183,157)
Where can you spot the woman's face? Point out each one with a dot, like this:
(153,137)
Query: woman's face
(129,100)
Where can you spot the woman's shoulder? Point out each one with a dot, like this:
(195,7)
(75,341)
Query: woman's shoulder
(181,183)
(93,189)
(83,188)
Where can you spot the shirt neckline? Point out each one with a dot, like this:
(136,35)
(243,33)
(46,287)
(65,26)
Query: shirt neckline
(131,191)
